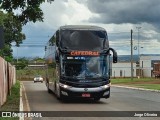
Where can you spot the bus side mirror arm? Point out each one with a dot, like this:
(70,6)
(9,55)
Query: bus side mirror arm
(114,55)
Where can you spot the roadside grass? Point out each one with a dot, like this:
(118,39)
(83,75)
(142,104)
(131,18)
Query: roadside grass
(29,74)
(12,103)
(147,83)
(128,80)
(148,86)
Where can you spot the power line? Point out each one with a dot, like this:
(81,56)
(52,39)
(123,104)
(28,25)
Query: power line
(30,46)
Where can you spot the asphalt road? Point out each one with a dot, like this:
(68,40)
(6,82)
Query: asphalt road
(121,100)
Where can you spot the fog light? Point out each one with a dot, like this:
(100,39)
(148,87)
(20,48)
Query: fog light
(106,93)
(64,93)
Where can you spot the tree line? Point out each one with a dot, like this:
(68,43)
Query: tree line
(12,21)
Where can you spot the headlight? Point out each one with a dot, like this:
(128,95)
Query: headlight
(64,86)
(34,78)
(105,86)
(41,78)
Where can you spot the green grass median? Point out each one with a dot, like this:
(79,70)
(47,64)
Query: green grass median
(147,83)
(148,86)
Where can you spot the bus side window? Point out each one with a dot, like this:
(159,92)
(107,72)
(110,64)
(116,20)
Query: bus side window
(57,38)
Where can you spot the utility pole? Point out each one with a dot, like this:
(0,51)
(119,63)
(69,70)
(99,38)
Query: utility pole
(131,55)
(138,28)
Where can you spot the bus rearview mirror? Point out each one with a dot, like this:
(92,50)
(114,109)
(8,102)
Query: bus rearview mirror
(114,55)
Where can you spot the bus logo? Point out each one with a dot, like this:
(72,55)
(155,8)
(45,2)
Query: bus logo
(85,89)
(84,53)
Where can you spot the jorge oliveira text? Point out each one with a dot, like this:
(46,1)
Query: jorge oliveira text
(145,114)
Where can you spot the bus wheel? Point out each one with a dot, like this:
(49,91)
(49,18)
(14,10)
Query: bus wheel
(49,90)
(59,94)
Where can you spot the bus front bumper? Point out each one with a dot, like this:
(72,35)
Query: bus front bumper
(101,91)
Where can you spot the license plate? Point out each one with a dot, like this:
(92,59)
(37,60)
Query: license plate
(86,95)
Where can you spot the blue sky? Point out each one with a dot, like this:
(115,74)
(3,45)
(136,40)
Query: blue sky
(118,17)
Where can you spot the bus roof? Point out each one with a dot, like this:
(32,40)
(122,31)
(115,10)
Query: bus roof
(81,27)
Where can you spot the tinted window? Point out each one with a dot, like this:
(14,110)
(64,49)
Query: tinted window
(82,39)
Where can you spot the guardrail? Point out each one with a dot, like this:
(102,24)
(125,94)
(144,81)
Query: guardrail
(7,79)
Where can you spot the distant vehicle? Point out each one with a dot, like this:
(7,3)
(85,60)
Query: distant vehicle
(38,78)
(78,62)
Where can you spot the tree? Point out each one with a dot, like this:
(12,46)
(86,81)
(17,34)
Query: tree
(22,63)
(6,52)
(12,33)
(30,9)
(39,60)
(13,30)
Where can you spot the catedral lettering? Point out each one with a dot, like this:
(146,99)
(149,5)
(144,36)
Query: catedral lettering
(80,65)
(83,53)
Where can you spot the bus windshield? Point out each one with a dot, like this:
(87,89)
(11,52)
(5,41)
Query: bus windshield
(82,39)
(83,67)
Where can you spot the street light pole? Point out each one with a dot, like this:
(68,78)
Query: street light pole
(138,28)
(131,55)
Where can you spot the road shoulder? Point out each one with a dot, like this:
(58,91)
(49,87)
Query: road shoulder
(24,104)
(135,88)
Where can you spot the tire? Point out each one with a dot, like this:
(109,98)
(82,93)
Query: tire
(49,90)
(59,94)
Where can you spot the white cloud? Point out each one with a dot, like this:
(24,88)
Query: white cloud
(71,12)
(63,13)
